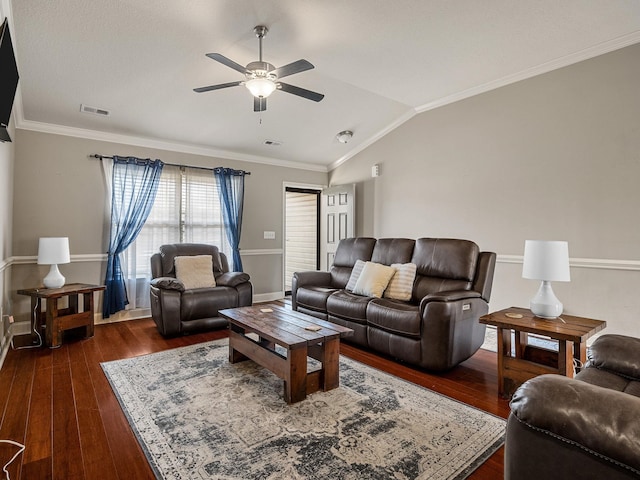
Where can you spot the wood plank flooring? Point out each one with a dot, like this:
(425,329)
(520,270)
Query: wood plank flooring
(61,406)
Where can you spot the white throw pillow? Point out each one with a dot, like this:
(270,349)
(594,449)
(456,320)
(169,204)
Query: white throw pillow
(373,279)
(355,274)
(195,271)
(401,285)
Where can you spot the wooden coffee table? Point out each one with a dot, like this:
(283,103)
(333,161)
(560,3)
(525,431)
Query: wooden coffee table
(530,361)
(300,335)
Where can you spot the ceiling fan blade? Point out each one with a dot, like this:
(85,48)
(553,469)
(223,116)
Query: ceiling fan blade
(301,92)
(295,67)
(259,104)
(228,62)
(217,87)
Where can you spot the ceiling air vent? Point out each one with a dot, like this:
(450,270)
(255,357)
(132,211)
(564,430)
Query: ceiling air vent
(94,110)
(273,143)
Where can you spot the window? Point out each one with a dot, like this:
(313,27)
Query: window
(186,210)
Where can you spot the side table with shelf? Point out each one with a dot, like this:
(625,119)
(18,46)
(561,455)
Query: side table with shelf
(524,361)
(56,320)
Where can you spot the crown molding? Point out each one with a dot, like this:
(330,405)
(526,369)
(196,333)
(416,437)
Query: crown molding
(147,142)
(565,61)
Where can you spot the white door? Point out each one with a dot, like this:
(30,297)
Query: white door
(337,211)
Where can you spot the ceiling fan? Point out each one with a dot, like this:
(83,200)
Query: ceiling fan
(262,78)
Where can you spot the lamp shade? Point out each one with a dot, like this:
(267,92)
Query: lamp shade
(546,260)
(260,87)
(53,250)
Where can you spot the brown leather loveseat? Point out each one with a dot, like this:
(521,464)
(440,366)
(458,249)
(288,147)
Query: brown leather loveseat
(177,310)
(436,327)
(587,427)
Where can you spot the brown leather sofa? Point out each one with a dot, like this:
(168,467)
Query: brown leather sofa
(177,310)
(437,328)
(587,427)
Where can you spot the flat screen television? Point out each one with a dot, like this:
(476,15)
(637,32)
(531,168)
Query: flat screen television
(8,80)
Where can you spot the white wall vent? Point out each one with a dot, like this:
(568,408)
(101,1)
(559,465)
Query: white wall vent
(94,110)
(273,143)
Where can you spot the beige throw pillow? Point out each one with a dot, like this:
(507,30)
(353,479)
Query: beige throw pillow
(355,274)
(401,284)
(373,279)
(195,271)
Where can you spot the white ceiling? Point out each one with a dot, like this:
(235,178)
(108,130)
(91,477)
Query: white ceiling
(377,62)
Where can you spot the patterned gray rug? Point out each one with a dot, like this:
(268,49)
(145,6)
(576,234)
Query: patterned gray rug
(198,417)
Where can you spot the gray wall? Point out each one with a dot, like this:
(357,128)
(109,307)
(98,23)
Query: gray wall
(60,191)
(554,157)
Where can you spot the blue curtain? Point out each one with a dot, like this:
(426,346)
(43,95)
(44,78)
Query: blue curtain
(231,184)
(134,183)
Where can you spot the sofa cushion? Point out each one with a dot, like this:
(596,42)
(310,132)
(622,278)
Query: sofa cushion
(373,280)
(205,302)
(349,251)
(348,306)
(446,258)
(443,265)
(314,298)
(606,379)
(401,285)
(395,317)
(355,275)
(169,252)
(393,250)
(195,271)
(616,353)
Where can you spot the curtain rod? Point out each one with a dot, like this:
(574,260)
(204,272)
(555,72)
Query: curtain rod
(100,157)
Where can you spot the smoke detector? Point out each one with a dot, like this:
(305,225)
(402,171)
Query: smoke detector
(344,136)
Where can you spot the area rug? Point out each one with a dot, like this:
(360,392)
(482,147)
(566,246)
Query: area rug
(197,416)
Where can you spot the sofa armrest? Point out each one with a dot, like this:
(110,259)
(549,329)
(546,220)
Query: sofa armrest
(168,283)
(232,279)
(450,296)
(601,420)
(616,353)
(302,279)
(317,278)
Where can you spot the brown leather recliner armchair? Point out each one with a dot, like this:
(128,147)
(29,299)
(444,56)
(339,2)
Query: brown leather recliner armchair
(177,310)
(587,427)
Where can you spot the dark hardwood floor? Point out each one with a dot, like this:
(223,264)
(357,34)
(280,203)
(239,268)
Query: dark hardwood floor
(61,406)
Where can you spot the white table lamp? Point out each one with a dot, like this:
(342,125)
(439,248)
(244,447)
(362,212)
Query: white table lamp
(547,261)
(53,251)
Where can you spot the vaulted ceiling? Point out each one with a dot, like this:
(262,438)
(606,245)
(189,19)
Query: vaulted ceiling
(377,62)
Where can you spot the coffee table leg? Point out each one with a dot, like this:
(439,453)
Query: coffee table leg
(295,385)
(330,364)
(234,355)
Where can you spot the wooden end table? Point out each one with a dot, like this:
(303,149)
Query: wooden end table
(530,361)
(276,325)
(57,320)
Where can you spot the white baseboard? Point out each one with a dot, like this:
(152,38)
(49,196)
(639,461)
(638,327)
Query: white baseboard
(18,328)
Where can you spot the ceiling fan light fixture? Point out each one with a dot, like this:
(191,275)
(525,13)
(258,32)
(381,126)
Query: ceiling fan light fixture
(260,87)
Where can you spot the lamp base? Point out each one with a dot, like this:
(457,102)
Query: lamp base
(545,304)
(54,278)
